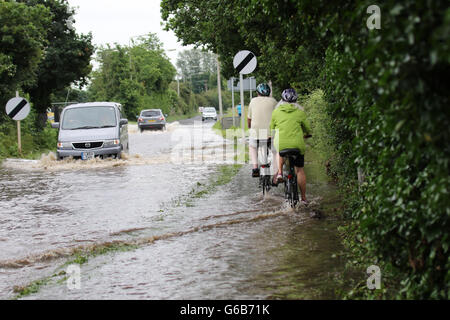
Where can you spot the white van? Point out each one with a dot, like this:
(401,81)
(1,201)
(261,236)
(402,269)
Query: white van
(88,130)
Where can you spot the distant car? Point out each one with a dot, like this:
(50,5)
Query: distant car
(152,119)
(88,130)
(209,113)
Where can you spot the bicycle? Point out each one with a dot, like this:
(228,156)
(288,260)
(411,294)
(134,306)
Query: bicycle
(264,162)
(290,177)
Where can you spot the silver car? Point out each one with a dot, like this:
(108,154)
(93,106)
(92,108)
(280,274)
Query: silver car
(152,119)
(209,113)
(88,130)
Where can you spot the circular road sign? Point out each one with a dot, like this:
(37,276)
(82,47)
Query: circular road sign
(17,108)
(245,62)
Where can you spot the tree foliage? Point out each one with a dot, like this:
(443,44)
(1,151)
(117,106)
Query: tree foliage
(23,34)
(66,60)
(199,68)
(134,75)
(385,96)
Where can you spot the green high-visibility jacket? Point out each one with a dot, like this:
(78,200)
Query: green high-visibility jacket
(290,125)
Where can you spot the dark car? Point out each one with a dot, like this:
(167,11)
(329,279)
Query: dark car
(152,119)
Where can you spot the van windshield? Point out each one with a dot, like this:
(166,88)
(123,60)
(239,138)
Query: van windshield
(89,118)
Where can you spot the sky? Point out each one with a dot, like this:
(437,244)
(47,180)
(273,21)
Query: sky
(116,21)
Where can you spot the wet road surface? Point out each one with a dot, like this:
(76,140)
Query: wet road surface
(189,238)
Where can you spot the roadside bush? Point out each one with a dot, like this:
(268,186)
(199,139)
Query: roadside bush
(386,95)
(315,108)
(166,101)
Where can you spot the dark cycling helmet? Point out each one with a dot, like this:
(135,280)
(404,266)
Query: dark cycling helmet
(289,95)
(263,89)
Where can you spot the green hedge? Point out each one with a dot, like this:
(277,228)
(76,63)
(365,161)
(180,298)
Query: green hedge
(315,108)
(387,86)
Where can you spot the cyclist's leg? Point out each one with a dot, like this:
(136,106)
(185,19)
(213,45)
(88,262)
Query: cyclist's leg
(301,180)
(301,177)
(253,150)
(280,166)
(254,157)
(275,161)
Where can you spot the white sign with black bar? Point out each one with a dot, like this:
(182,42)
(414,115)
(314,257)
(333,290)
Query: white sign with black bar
(245,62)
(17,108)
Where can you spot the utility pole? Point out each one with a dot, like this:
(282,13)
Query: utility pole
(129,48)
(219,87)
(243,118)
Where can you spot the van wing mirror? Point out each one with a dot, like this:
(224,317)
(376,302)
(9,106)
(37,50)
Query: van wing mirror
(123,122)
(55,125)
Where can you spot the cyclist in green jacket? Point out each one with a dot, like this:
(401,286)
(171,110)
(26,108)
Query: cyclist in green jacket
(291,127)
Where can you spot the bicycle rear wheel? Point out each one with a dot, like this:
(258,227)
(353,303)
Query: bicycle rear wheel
(265,184)
(291,187)
(294,192)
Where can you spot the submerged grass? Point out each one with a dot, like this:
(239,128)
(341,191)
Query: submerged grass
(224,175)
(79,257)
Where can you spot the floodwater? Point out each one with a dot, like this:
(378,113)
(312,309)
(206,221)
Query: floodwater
(192,238)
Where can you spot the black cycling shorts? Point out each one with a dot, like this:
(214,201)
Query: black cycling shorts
(299,160)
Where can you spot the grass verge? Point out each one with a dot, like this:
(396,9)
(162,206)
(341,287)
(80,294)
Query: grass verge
(81,257)
(177,117)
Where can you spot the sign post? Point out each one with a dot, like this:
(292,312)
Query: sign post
(244,62)
(243,117)
(19,138)
(232,100)
(18,109)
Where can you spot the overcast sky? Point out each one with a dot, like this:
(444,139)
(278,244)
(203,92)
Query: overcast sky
(113,21)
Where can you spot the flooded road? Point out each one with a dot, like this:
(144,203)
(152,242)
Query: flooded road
(160,228)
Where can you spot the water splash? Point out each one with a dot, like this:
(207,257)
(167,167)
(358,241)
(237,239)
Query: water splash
(48,162)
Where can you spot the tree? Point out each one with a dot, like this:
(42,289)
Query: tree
(23,34)
(197,67)
(67,57)
(265,27)
(211,25)
(134,75)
